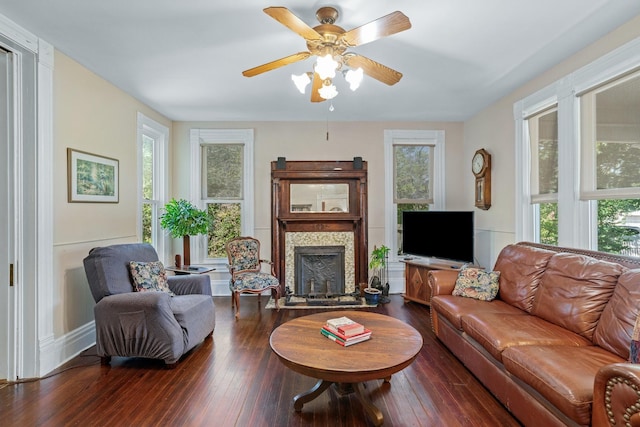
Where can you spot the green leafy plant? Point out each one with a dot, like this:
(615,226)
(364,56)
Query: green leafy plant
(377,264)
(181,218)
(378,258)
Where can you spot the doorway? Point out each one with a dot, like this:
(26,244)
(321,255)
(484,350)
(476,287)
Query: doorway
(6,220)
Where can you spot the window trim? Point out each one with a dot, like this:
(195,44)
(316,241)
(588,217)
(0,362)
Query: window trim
(589,190)
(199,137)
(574,215)
(160,134)
(392,137)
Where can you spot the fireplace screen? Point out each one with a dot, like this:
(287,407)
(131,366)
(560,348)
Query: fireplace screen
(319,270)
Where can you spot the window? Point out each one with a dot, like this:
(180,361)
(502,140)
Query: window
(593,200)
(222,183)
(152,154)
(610,134)
(610,161)
(415,160)
(543,137)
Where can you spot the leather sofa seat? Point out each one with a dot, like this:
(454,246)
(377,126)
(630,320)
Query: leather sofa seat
(562,374)
(497,332)
(454,309)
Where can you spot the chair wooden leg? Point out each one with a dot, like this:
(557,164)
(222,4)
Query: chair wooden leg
(236,298)
(105,360)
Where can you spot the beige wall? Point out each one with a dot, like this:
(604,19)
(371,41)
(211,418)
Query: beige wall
(494,129)
(91,115)
(308,141)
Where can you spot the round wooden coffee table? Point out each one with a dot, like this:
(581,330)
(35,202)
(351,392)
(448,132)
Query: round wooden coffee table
(301,347)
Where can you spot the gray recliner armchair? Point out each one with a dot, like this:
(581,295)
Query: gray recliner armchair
(145,324)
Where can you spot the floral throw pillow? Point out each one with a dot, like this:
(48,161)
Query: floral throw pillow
(476,283)
(634,351)
(149,276)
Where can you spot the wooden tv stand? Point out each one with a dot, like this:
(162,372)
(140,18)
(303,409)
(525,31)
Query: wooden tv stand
(417,287)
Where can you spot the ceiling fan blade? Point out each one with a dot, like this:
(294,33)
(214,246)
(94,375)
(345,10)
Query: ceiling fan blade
(373,69)
(392,23)
(300,56)
(291,21)
(317,84)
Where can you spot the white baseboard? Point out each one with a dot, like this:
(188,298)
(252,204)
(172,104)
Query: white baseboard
(220,288)
(54,353)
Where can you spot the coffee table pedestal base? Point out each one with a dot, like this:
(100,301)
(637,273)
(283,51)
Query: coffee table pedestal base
(374,414)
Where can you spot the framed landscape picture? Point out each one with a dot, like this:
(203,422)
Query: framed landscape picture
(91,178)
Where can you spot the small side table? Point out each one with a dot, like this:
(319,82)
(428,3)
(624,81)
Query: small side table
(190,269)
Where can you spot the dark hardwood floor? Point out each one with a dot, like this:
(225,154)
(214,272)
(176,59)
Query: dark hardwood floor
(234,379)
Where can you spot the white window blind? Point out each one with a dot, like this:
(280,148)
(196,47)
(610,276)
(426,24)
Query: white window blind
(543,137)
(610,140)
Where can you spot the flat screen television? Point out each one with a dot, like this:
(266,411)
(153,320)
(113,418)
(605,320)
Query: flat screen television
(446,235)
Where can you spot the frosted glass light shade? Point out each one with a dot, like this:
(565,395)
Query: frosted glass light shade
(328,92)
(354,78)
(326,67)
(301,81)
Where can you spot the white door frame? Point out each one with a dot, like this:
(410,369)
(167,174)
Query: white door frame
(6,218)
(31,141)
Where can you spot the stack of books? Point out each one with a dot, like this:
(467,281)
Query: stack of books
(345,331)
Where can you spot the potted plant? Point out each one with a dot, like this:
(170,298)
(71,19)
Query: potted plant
(183,219)
(377,265)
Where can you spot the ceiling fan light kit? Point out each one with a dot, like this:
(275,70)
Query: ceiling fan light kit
(329,42)
(301,81)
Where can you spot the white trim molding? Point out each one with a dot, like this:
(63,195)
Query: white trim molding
(197,138)
(576,218)
(32,139)
(408,137)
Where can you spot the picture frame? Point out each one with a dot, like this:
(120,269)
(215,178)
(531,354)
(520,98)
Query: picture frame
(92,178)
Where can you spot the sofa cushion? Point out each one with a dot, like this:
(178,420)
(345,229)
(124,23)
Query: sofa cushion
(477,284)
(196,316)
(454,308)
(616,324)
(107,267)
(564,375)
(521,268)
(149,276)
(496,332)
(574,290)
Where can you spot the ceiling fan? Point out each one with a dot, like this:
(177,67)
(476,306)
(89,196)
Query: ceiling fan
(328,41)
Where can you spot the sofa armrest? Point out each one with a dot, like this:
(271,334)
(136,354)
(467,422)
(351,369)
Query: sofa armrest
(616,395)
(442,282)
(138,324)
(189,284)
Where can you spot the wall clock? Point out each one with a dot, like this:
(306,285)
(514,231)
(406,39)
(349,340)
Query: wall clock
(481,168)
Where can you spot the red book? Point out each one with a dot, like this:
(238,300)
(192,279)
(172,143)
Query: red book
(351,329)
(345,343)
(337,334)
(345,326)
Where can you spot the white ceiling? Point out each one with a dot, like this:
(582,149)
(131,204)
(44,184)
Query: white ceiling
(184,58)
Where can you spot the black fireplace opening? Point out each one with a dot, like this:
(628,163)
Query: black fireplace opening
(319,270)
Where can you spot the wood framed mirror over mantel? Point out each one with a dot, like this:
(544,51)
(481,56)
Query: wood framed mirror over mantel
(319,204)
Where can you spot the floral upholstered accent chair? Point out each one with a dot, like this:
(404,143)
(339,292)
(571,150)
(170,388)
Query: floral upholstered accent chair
(247,276)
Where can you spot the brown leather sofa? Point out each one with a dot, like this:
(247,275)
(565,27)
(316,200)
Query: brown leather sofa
(553,346)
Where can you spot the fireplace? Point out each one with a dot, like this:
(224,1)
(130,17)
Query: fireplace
(318,250)
(319,270)
(319,204)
